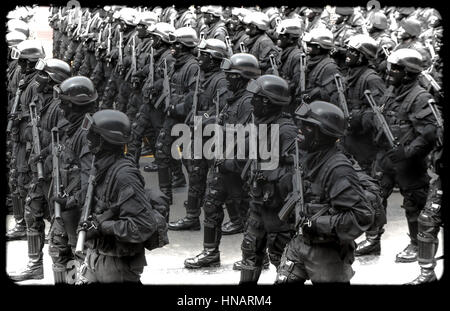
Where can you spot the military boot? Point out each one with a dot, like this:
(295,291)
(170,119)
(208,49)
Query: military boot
(19,232)
(210,256)
(243,264)
(235,224)
(409,254)
(370,246)
(35,267)
(191,221)
(250,276)
(427,275)
(230,228)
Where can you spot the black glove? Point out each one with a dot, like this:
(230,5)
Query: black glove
(61,201)
(39,157)
(92,227)
(396,155)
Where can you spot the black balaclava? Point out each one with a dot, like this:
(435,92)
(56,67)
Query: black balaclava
(208,63)
(236,84)
(312,139)
(262,107)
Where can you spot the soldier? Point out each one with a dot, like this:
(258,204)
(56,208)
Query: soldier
(215,25)
(312,19)
(121,219)
(236,28)
(258,43)
(182,82)
(27,54)
(408,35)
(224,184)
(149,118)
(89,60)
(335,211)
(288,32)
(430,218)
(320,67)
(77,97)
(212,51)
(359,141)
(268,188)
(410,120)
(51,72)
(377,29)
(342,31)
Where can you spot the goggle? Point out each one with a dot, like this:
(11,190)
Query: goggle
(303,111)
(40,64)
(226,64)
(15,53)
(172,38)
(253,87)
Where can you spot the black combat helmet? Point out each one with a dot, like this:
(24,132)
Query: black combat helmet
(13,38)
(186,36)
(410,59)
(163,30)
(364,44)
(112,125)
(378,20)
(57,69)
(328,117)
(243,63)
(78,90)
(273,87)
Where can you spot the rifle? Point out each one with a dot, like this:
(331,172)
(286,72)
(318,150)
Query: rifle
(87,206)
(432,82)
(217,123)
(120,62)
(295,199)
(302,72)
(151,73)
(15,105)
(108,45)
(229,46)
(55,171)
(381,120)
(251,164)
(133,58)
(166,89)
(193,112)
(273,63)
(36,141)
(437,116)
(342,100)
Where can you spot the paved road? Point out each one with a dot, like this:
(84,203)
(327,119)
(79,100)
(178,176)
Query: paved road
(165,265)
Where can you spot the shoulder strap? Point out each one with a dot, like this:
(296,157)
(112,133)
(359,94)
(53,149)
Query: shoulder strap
(111,176)
(411,97)
(331,163)
(320,67)
(361,83)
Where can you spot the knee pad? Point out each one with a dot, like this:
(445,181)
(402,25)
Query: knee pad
(428,245)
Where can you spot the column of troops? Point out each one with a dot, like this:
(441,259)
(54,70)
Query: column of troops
(354,92)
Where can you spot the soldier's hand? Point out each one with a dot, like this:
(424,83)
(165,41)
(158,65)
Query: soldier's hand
(61,201)
(396,155)
(92,227)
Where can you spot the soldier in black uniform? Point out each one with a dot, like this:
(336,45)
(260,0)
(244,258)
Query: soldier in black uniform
(51,72)
(77,97)
(361,76)
(215,25)
(223,184)
(320,67)
(236,28)
(411,123)
(149,118)
(430,218)
(27,52)
(408,33)
(122,219)
(268,186)
(213,81)
(289,31)
(335,211)
(259,43)
(182,82)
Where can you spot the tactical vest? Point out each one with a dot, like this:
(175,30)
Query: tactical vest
(232,109)
(209,87)
(314,77)
(180,82)
(291,64)
(397,115)
(355,95)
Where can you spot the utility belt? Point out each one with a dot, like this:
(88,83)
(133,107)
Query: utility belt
(313,212)
(109,246)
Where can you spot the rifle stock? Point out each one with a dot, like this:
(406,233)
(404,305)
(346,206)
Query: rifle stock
(342,100)
(55,170)
(36,140)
